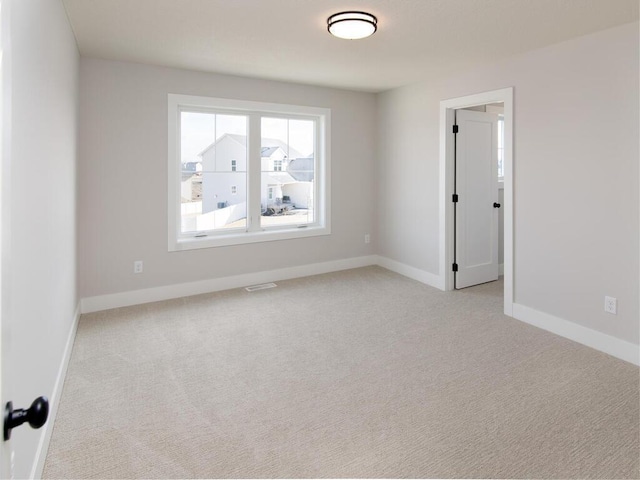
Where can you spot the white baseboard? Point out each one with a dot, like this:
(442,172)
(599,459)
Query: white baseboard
(156,294)
(600,341)
(613,346)
(54,401)
(415,273)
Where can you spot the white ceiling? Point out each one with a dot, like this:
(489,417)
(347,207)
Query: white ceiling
(288,40)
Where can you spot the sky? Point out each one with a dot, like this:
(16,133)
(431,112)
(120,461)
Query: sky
(199,130)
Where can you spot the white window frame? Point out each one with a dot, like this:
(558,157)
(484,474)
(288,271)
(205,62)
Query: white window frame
(177,241)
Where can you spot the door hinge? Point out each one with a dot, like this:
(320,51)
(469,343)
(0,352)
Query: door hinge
(455,129)
(454,198)
(455,267)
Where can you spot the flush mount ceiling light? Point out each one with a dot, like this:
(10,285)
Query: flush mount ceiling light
(352,25)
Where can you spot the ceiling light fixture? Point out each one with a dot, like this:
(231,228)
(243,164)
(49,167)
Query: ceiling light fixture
(352,25)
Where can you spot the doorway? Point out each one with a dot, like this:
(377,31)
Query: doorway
(447,185)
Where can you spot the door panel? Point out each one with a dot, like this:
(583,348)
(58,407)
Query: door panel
(477,189)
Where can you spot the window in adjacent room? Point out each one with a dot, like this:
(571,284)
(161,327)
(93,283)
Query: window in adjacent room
(500,147)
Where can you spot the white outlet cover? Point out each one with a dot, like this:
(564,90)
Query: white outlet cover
(610,305)
(137,266)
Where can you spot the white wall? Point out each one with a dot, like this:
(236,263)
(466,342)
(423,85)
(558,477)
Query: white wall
(43,297)
(576,229)
(123,147)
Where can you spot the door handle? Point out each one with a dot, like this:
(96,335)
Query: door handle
(36,415)
(496,205)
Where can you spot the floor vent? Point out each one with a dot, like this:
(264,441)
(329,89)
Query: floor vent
(262,286)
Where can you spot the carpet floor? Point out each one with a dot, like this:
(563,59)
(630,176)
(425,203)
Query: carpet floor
(361,373)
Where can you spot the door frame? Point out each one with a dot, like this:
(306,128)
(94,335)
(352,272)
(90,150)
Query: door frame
(447,179)
(6,449)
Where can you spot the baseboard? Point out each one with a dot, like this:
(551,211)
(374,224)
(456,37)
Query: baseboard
(54,400)
(167,292)
(613,346)
(600,341)
(415,273)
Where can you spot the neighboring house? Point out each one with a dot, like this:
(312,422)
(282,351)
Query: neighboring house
(298,194)
(224,172)
(192,167)
(302,169)
(224,181)
(274,159)
(191,184)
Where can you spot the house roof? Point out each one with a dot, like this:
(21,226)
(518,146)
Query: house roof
(269,145)
(268,151)
(302,169)
(241,139)
(279,178)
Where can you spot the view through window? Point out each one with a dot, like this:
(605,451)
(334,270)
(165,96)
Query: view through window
(244,174)
(213,187)
(287,171)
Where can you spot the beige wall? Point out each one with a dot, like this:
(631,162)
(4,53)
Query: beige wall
(123,149)
(575,175)
(39,239)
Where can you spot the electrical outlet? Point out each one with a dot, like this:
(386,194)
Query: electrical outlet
(137,266)
(367,238)
(610,305)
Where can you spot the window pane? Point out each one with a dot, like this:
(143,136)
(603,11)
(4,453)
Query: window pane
(288,170)
(500,146)
(214,171)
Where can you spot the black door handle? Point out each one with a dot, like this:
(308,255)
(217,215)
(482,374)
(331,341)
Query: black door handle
(36,415)
(496,205)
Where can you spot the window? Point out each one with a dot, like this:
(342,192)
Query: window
(500,147)
(262,172)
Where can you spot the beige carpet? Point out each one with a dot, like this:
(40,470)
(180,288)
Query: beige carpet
(362,373)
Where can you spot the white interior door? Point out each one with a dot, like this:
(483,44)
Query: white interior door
(476,209)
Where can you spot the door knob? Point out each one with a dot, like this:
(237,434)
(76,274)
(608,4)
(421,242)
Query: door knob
(36,415)
(496,205)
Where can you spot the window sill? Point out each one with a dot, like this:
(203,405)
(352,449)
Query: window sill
(241,238)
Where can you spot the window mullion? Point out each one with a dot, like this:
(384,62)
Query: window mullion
(253,179)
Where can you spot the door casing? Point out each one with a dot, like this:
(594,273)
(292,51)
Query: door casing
(6,449)
(447,179)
